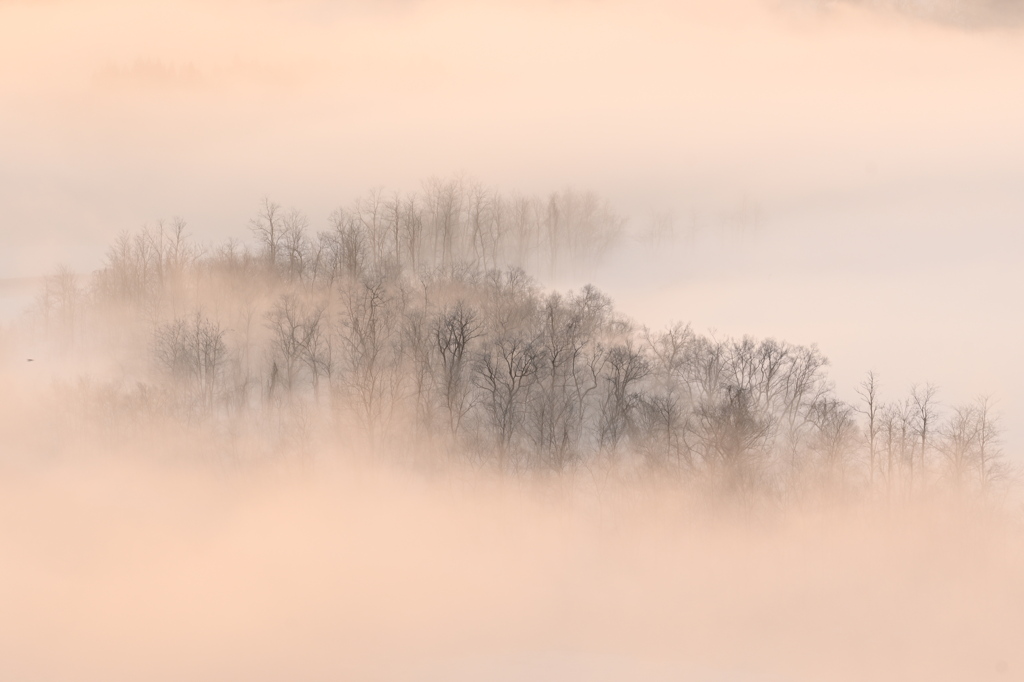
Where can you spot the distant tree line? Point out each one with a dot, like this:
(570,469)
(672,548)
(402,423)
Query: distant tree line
(410,328)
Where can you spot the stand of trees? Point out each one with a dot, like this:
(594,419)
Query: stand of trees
(411,325)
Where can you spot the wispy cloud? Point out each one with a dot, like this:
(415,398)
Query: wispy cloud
(973,14)
(153,73)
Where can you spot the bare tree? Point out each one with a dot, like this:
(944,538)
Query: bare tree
(350,245)
(958,443)
(444,205)
(506,373)
(626,366)
(297,341)
(991,463)
(889,430)
(664,410)
(454,330)
(315,348)
(570,373)
(192,351)
(733,439)
(294,247)
(370,332)
(393,218)
(61,302)
(124,280)
(173,255)
(925,414)
(835,431)
(370,213)
(868,392)
(901,440)
(412,232)
(268,227)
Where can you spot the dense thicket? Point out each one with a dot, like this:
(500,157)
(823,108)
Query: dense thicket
(410,328)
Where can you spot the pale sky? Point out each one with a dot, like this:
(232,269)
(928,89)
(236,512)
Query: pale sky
(879,143)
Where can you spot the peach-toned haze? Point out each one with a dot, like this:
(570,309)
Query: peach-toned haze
(839,172)
(119,568)
(878,142)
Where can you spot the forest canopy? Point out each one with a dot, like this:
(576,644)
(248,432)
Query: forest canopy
(413,328)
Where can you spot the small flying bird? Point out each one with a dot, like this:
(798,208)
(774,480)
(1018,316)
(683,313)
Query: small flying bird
(30,360)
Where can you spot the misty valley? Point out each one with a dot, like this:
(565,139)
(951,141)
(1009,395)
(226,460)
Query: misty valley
(511,341)
(391,432)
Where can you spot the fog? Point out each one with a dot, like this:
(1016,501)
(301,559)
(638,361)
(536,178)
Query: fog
(839,177)
(873,137)
(124,573)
